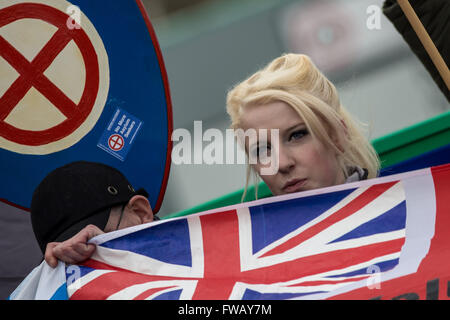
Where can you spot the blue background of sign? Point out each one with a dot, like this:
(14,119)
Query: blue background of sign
(137,86)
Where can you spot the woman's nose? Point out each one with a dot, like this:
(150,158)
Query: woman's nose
(285,160)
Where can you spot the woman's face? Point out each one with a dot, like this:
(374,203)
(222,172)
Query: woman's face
(304,162)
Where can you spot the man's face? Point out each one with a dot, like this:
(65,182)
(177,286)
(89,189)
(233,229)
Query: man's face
(137,211)
(117,219)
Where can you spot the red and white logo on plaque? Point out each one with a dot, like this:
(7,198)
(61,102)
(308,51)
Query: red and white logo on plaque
(115,142)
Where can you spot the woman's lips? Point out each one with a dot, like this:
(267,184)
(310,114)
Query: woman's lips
(294,185)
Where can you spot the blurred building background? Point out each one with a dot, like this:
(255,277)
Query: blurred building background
(210,45)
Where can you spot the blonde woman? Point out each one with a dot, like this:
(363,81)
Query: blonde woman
(318,145)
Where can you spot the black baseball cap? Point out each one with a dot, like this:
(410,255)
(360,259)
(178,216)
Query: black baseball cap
(75,195)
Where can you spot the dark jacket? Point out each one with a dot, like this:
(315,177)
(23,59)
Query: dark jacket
(435,16)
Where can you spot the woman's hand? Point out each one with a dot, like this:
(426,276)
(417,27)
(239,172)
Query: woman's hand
(73,250)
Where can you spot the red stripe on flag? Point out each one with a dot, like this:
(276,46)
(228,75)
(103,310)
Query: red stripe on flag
(105,285)
(221,256)
(144,295)
(362,200)
(324,282)
(324,262)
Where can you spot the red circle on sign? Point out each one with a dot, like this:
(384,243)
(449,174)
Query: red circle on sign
(31,75)
(115,142)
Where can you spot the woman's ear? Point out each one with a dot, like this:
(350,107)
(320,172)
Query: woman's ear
(141,207)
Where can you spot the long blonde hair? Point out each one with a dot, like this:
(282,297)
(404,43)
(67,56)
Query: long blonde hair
(295,80)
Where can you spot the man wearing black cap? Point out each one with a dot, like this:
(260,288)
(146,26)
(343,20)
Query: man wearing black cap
(79,201)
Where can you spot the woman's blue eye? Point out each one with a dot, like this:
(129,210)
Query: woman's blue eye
(296,135)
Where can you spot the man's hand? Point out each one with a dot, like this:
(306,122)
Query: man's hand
(73,250)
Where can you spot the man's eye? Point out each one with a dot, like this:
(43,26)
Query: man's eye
(296,135)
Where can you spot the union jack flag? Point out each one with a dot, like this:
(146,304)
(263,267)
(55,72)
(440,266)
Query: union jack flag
(310,245)
(385,238)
